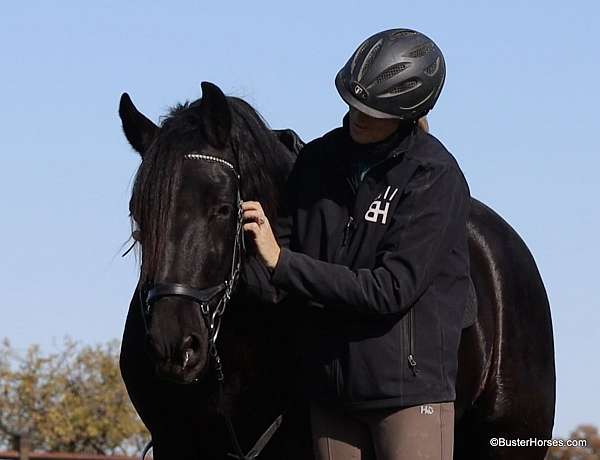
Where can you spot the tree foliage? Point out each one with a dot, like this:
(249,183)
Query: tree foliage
(71,400)
(590,452)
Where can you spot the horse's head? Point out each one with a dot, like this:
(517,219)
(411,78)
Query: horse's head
(186,212)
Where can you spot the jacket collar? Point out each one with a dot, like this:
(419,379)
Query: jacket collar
(385,151)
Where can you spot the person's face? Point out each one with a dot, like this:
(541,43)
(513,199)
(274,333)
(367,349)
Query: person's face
(365,129)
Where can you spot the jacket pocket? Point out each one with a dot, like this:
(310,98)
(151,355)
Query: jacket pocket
(411,358)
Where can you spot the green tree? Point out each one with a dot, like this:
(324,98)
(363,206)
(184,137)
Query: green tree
(72,400)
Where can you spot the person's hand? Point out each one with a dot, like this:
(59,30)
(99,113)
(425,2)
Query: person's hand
(257,224)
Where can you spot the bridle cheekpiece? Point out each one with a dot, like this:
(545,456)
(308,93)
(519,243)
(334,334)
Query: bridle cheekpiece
(205,297)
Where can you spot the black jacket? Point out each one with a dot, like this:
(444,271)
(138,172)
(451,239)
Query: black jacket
(380,272)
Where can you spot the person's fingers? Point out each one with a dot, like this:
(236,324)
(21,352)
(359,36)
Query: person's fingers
(251,214)
(252,227)
(255,216)
(251,205)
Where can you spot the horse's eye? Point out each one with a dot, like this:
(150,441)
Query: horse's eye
(136,235)
(224,210)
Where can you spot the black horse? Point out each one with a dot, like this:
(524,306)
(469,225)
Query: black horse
(200,397)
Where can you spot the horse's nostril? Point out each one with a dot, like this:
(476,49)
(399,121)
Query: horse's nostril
(191,342)
(189,347)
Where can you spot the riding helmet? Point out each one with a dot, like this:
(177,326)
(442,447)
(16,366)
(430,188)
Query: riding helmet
(397,73)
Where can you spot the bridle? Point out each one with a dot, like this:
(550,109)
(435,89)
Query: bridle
(205,298)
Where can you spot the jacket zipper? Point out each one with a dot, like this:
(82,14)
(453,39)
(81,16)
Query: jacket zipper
(390,158)
(371,168)
(411,351)
(350,220)
(347,230)
(339,382)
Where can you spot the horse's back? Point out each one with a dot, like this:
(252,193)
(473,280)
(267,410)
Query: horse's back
(508,354)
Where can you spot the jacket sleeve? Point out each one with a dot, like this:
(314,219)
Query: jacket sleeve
(427,223)
(256,276)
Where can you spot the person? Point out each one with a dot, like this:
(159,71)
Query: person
(375,253)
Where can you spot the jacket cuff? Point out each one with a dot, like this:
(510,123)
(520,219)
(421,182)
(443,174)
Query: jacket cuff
(280,273)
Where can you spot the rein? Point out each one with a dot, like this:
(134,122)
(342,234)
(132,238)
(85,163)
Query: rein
(212,317)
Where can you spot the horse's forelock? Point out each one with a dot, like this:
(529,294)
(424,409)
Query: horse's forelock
(153,195)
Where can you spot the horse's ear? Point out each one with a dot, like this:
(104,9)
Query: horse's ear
(138,129)
(216,115)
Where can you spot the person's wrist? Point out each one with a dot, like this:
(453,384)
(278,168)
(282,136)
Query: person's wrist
(280,268)
(271,267)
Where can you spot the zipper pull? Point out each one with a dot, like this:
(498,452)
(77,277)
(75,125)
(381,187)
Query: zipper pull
(413,364)
(347,230)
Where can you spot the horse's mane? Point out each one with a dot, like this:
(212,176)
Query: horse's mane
(264,164)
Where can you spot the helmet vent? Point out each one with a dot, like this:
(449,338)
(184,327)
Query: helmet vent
(405,87)
(391,72)
(403,34)
(357,54)
(432,69)
(369,59)
(421,51)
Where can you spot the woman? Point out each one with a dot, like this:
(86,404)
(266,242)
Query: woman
(376,254)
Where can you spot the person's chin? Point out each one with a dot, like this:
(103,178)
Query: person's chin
(358,136)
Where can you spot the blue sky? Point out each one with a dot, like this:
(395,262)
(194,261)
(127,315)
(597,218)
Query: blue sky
(518,111)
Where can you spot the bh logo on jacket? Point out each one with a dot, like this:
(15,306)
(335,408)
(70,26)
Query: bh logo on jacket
(379,207)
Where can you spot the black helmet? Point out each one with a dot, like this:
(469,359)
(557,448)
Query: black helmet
(397,73)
